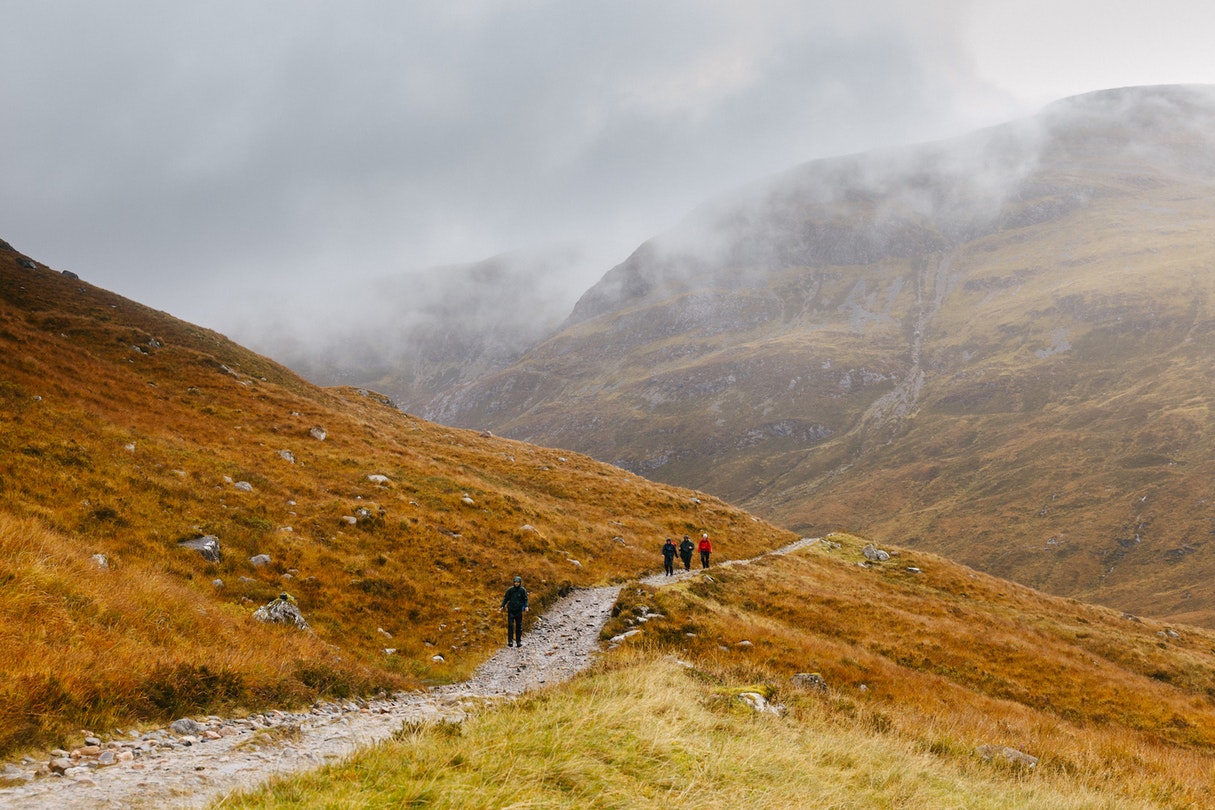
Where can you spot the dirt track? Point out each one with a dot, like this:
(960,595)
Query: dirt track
(191,771)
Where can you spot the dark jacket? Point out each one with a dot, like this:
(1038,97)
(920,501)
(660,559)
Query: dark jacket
(685,549)
(515,600)
(668,550)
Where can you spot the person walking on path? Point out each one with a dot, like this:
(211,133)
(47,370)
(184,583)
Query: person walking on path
(685,553)
(515,603)
(668,556)
(706,548)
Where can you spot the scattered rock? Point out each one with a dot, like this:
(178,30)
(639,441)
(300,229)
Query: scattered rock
(317,433)
(378,479)
(243,486)
(287,455)
(874,554)
(467,500)
(281,610)
(184,727)
(207,546)
(809,680)
(990,752)
(71,275)
(101,561)
(260,560)
(616,640)
(759,703)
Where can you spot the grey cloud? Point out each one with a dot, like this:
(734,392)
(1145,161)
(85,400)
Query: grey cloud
(190,154)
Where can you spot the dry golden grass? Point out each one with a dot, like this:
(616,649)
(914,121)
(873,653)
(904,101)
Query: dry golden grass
(952,659)
(124,431)
(646,732)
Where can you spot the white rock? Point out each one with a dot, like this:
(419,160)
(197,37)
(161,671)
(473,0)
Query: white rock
(243,486)
(378,479)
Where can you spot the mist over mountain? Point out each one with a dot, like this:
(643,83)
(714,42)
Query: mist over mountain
(995,346)
(414,335)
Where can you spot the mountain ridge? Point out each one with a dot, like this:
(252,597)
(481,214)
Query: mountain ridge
(796,352)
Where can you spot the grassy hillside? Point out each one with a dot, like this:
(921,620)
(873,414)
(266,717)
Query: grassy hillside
(124,431)
(926,676)
(996,348)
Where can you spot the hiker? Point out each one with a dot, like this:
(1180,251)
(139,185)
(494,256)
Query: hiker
(515,603)
(706,548)
(668,556)
(685,553)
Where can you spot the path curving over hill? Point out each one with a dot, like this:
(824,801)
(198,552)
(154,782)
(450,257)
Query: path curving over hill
(162,769)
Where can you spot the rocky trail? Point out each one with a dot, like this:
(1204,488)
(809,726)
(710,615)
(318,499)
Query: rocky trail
(198,761)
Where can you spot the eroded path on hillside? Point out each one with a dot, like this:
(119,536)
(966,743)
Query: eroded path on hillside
(164,768)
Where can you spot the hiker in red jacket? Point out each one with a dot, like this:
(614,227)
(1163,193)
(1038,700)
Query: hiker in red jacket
(706,548)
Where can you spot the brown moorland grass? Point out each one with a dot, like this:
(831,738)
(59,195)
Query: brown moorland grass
(952,659)
(645,732)
(124,431)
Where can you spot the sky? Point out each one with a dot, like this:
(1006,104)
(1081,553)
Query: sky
(241,162)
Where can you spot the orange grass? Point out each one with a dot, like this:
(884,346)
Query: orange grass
(124,431)
(954,659)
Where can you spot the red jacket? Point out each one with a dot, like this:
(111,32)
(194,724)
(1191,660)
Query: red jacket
(705,545)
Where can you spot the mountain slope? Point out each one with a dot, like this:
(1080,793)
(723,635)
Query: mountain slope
(932,686)
(995,347)
(124,432)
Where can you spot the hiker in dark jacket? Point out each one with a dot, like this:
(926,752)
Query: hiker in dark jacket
(668,556)
(685,553)
(515,603)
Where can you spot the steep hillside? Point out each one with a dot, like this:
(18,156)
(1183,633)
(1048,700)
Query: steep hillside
(996,347)
(124,432)
(905,683)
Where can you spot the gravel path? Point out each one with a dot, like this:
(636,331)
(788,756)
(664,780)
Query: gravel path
(171,769)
